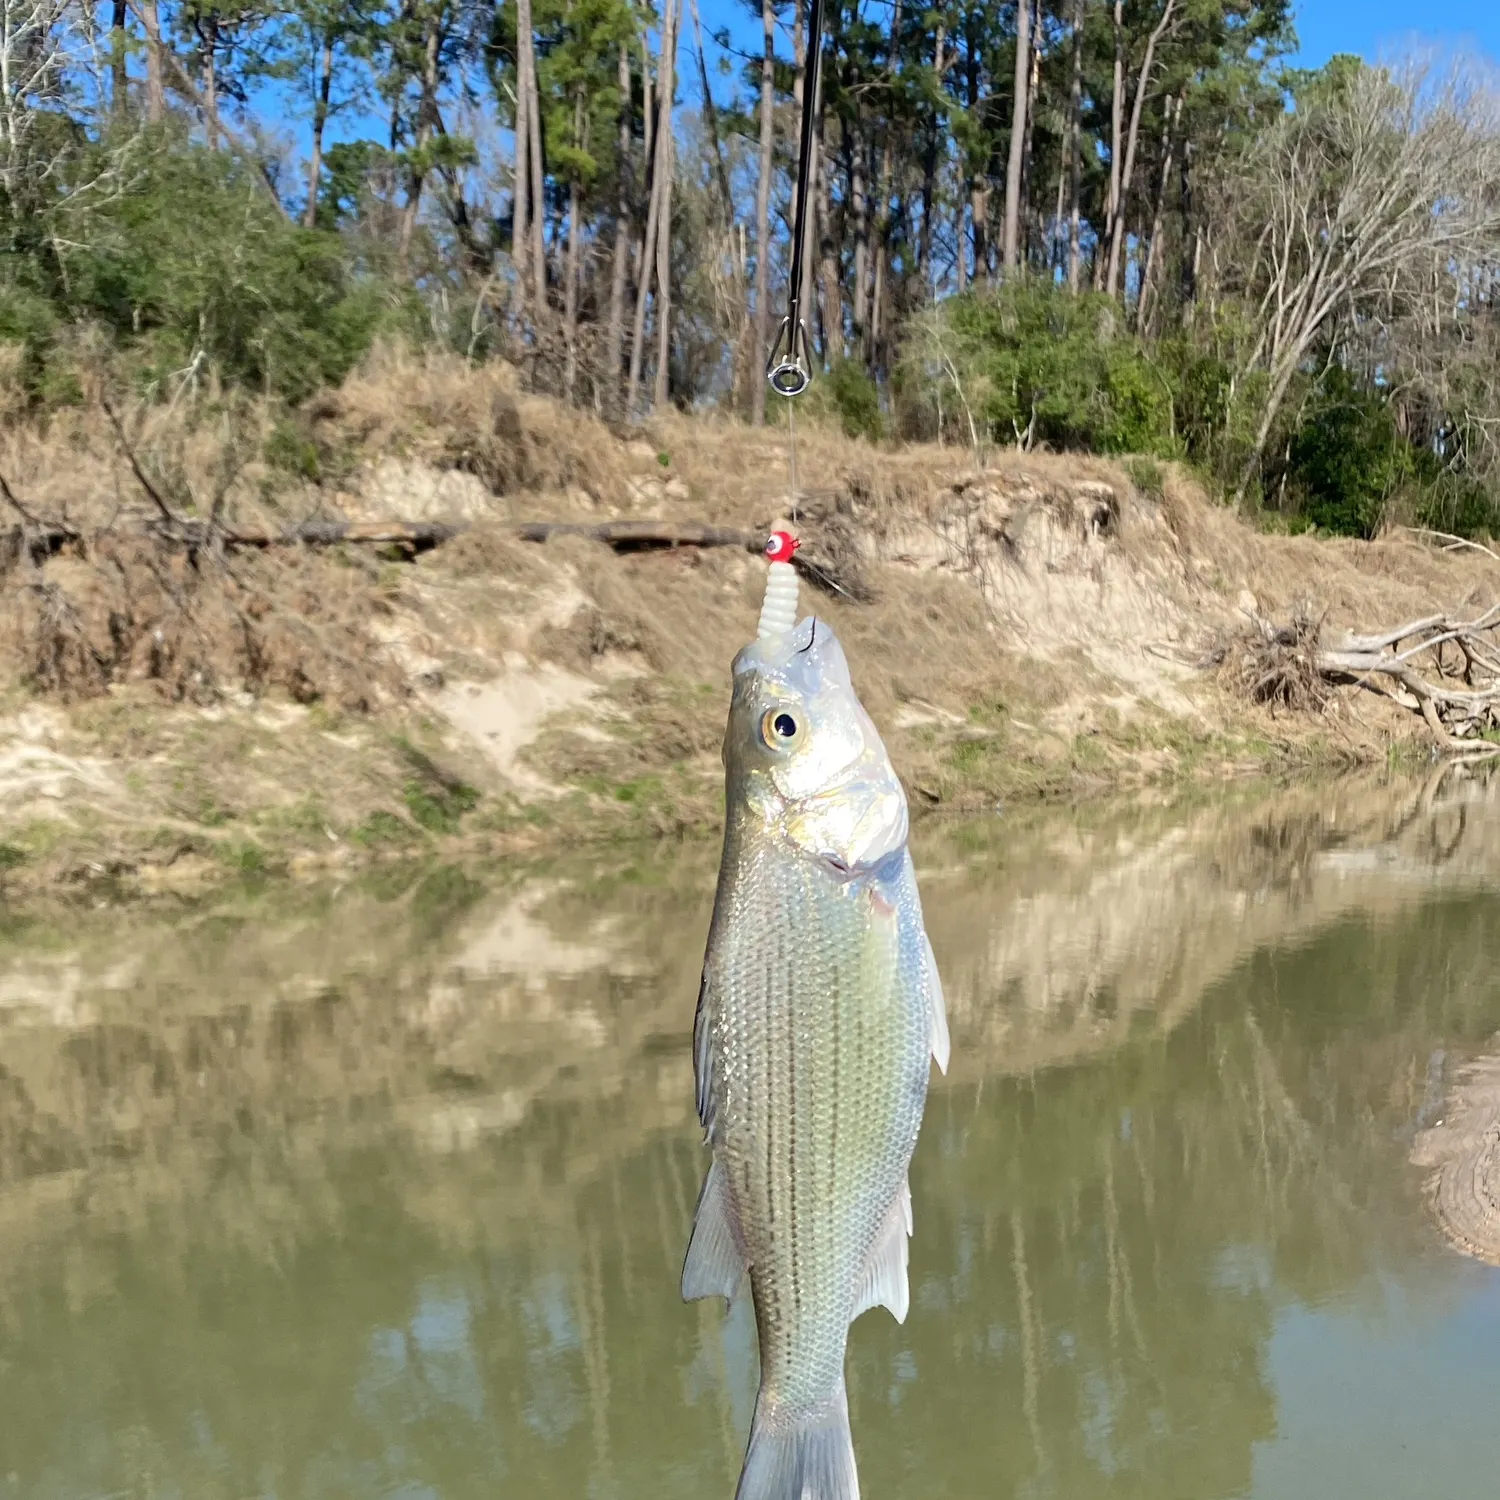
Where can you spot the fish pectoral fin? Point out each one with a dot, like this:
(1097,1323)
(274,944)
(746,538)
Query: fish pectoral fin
(884,1283)
(937,1011)
(715,1264)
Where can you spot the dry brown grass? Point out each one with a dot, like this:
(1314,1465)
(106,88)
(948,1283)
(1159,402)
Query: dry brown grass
(441,410)
(1035,626)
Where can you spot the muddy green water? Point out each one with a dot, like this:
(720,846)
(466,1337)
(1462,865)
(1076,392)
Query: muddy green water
(383,1192)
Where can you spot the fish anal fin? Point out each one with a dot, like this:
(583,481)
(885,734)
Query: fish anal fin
(715,1264)
(884,1283)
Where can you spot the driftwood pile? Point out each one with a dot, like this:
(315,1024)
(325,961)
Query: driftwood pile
(1444,668)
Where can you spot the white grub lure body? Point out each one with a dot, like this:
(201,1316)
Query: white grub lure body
(818,1015)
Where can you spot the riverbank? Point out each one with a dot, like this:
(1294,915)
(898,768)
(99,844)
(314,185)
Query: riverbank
(182,703)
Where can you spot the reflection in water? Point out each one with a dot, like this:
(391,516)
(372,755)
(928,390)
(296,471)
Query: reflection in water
(385,1193)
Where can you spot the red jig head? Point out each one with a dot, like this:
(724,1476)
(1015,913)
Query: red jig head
(778,611)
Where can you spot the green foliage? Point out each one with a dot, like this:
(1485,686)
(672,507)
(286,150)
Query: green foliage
(291,451)
(854,398)
(1060,370)
(1146,475)
(191,260)
(1347,457)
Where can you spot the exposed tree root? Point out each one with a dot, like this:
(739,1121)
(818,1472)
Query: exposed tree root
(1444,669)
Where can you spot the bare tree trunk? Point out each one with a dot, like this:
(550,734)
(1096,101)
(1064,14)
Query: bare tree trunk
(1030,218)
(1010,244)
(1116,131)
(570,271)
(520,192)
(156,97)
(1153,249)
(320,120)
(622,233)
(666,142)
(1189,275)
(660,134)
(1056,258)
(929,167)
(1075,112)
(648,106)
(711,120)
(207,27)
(828,265)
(979,218)
(119,79)
(763,210)
(882,246)
(538,251)
(1143,81)
(721,171)
(426,111)
(859,198)
(961,262)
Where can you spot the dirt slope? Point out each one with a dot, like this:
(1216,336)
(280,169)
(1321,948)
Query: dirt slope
(172,708)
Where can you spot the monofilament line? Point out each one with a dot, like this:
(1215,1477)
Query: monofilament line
(791,448)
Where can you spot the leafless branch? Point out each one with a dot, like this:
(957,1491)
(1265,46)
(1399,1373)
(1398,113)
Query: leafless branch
(135,464)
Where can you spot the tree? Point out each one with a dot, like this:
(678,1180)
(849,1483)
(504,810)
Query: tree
(1352,207)
(1016,161)
(320,47)
(763,209)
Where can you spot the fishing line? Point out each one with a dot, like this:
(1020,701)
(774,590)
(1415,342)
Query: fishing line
(789,364)
(791,449)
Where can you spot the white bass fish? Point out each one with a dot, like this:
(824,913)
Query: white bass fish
(819,1009)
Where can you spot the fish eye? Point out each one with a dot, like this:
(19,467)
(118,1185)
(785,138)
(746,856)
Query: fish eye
(780,728)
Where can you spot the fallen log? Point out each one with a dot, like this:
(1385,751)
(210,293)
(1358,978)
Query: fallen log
(48,537)
(40,538)
(633,536)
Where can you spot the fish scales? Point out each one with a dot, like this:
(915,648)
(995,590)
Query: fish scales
(820,1125)
(819,1010)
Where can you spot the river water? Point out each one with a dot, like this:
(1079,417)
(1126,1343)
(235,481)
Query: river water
(383,1191)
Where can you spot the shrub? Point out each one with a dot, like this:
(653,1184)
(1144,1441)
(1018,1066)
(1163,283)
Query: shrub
(191,257)
(1033,360)
(854,398)
(1347,457)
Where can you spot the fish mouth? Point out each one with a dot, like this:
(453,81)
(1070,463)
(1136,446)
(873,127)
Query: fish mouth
(804,660)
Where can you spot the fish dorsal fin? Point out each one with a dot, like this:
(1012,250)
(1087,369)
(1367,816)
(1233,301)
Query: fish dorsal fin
(884,1282)
(938,1010)
(715,1264)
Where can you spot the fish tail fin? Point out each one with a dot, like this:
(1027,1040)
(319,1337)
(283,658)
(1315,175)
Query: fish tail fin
(802,1455)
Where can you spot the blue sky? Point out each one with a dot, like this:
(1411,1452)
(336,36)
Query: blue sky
(1370,27)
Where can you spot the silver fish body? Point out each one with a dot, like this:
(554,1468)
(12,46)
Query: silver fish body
(819,1012)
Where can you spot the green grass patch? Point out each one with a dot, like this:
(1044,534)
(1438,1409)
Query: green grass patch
(439,809)
(381,829)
